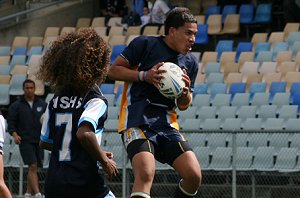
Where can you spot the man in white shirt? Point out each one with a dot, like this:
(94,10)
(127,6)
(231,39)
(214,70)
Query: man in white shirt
(159,11)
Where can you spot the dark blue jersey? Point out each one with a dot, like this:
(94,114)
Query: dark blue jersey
(142,103)
(72,171)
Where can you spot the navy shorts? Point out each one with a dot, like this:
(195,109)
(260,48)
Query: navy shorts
(31,153)
(165,144)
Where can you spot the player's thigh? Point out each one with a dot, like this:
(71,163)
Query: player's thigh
(187,165)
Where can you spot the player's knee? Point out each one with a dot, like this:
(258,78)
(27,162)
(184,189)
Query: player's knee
(146,176)
(193,177)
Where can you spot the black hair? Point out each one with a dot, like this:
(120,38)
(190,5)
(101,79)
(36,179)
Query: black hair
(177,17)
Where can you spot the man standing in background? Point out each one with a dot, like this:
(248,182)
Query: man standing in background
(25,127)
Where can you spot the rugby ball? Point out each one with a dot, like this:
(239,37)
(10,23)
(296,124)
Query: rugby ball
(172,84)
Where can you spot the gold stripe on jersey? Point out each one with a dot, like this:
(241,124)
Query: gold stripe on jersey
(123,109)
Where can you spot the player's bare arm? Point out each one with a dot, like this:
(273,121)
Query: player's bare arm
(87,138)
(186,98)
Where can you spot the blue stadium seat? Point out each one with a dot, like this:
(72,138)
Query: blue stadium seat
(224,46)
(107,88)
(246,12)
(261,46)
(277,87)
(257,87)
(212,9)
(200,88)
(20,51)
(237,87)
(228,9)
(296,100)
(217,88)
(115,52)
(263,56)
(295,49)
(243,47)
(202,34)
(292,38)
(278,47)
(295,87)
(263,13)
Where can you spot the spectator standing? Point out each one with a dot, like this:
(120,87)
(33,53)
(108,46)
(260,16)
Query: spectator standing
(112,8)
(4,192)
(74,119)
(145,18)
(159,11)
(137,6)
(25,127)
(148,121)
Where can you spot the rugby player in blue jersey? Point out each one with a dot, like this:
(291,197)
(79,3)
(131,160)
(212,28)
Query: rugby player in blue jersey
(75,66)
(148,120)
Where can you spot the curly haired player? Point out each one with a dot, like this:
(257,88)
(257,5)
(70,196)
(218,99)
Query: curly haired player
(74,66)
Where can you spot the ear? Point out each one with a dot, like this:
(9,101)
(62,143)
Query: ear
(172,31)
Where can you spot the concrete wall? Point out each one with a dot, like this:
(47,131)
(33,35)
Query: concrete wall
(65,14)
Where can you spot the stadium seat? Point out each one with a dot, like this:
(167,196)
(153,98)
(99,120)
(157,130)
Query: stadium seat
(212,67)
(240,99)
(5,50)
(266,111)
(223,46)
(221,100)
(217,88)
(243,47)
(4,69)
(228,9)
(215,140)
(214,78)
(212,10)
(257,87)
(276,87)
(4,94)
(231,124)
(202,34)
(111,125)
(292,38)
(116,50)
(201,100)
(278,47)
(263,13)
(273,124)
(205,112)
(288,111)
(244,158)
(286,160)
(210,124)
(290,27)
(267,67)
(236,87)
(245,57)
(263,159)
(276,37)
(188,113)
(98,22)
(260,99)
(295,87)
(226,112)
(279,140)
(16,84)
(263,56)
(280,99)
(246,12)
(258,139)
(214,23)
(251,123)
(203,154)
(261,46)
(200,88)
(221,159)
(190,125)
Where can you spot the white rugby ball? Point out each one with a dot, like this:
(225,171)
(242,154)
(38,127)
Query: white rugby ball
(172,84)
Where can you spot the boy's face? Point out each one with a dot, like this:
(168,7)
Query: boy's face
(145,11)
(183,37)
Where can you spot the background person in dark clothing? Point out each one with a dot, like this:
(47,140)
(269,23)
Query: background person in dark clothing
(112,8)
(25,127)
